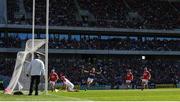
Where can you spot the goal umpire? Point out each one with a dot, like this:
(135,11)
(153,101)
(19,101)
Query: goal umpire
(35,70)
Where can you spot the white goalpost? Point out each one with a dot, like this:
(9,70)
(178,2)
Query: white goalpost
(47,39)
(19,80)
(46,48)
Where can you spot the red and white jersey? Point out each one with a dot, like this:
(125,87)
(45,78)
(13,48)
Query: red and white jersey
(53,77)
(63,78)
(146,75)
(68,84)
(129,76)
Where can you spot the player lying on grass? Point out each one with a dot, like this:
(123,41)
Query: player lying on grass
(145,78)
(92,73)
(53,77)
(69,86)
(129,78)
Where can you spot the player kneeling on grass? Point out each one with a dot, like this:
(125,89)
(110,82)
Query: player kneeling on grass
(53,77)
(145,78)
(69,86)
(129,78)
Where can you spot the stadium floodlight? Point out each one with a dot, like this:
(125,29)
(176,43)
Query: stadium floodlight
(143,57)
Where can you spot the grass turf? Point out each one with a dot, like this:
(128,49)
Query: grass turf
(101,95)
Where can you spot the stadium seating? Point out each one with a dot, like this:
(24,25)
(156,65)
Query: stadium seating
(163,70)
(6,66)
(116,44)
(140,14)
(101,44)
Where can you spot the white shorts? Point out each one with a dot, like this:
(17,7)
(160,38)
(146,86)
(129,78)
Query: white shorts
(145,81)
(90,80)
(52,82)
(69,85)
(128,81)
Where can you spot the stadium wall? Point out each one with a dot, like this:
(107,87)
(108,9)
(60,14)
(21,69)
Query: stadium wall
(111,52)
(90,30)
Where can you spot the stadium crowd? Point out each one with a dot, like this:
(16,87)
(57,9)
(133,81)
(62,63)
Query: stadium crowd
(101,44)
(6,65)
(10,42)
(140,14)
(117,44)
(114,68)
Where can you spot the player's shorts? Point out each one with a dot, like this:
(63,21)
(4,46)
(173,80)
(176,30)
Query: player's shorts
(90,80)
(52,82)
(69,85)
(128,81)
(145,81)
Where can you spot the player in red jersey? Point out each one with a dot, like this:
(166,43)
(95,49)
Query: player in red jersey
(145,78)
(53,77)
(129,78)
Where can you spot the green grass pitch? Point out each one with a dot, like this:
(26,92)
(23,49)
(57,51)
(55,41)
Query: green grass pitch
(101,95)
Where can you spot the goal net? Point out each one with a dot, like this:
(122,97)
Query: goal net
(19,80)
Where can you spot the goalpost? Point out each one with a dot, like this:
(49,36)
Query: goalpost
(47,40)
(19,79)
(46,48)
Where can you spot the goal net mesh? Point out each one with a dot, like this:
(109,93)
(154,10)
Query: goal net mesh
(19,80)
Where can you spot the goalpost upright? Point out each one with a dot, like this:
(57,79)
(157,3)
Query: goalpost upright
(46,47)
(47,40)
(33,26)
